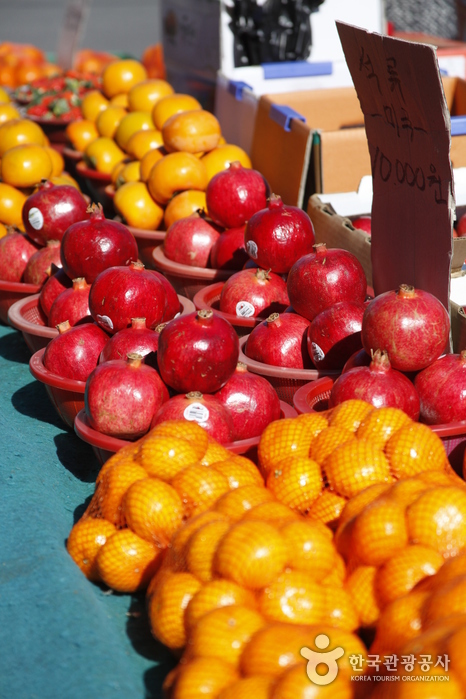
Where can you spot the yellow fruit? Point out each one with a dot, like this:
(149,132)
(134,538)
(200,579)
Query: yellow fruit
(26,165)
(120,76)
(145,94)
(130,172)
(220,158)
(169,105)
(58,163)
(108,120)
(103,154)
(17,132)
(195,131)
(132,122)
(143,141)
(8,112)
(11,205)
(134,203)
(92,104)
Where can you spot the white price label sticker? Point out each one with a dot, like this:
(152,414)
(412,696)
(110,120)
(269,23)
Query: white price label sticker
(245,309)
(196,412)
(105,320)
(252,249)
(317,352)
(36,218)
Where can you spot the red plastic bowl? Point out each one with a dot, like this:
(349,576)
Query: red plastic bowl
(105,446)
(209,297)
(67,395)
(11,292)
(147,242)
(26,315)
(313,397)
(188,280)
(285,381)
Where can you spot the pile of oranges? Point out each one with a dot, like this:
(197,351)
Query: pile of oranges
(159,147)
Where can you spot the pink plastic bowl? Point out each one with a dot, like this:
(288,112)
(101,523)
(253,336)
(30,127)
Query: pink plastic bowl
(26,315)
(10,293)
(67,395)
(188,280)
(209,297)
(147,242)
(105,446)
(313,397)
(285,381)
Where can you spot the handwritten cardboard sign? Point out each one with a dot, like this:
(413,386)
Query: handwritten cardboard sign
(408,130)
(76,14)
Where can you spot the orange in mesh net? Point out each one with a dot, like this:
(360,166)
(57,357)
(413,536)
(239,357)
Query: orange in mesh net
(437,518)
(355,465)
(201,548)
(235,503)
(124,455)
(111,489)
(274,512)
(310,548)
(448,600)
(399,622)
(296,481)
(337,576)
(126,562)
(252,554)
(361,586)
(167,598)
(239,471)
(328,440)
(294,597)
(84,543)
(215,594)
(282,438)
(257,687)
(339,609)
(177,551)
(295,684)
(327,507)
(165,456)
(274,648)
(215,452)
(407,490)
(452,568)
(404,570)
(379,532)
(153,509)
(183,429)
(200,677)
(199,487)
(415,448)
(350,414)
(379,425)
(223,633)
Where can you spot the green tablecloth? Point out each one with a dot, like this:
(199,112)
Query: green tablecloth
(61,637)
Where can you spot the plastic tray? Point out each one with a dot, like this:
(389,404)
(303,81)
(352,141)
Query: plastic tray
(26,315)
(67,395)
(147,242)
(104,446)
(11,292)
(313,397)
(285,381)
(188,280)
(209,297)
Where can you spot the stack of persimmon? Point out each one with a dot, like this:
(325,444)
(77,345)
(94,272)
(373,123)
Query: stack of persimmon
(159,147)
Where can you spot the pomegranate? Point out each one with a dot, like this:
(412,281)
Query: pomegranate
(280,341)
(39,265)
(235,194)
(206,410)
(363,223)
(88,247)
(335,334)
(172,302)
(359,358)
(229,252)
(252,402)
(74,353)
(254,292)
(55,284)
(325,277)
(188,241)
(122,397)
(442,389)
(197,352)
(51,210)
(278,236)
(137,339)
(121,293)
(72,305)
(15,251)
(461,226)
(378,384)
(412,325)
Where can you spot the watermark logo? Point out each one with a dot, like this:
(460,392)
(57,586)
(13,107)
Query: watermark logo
(328,658)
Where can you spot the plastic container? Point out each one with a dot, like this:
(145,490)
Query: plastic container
(95,182)
(147,242)
(27,316)
(188,280)
(285,381)
(11,292)
(67,395)
(313,397)
(104,446)
(209,297)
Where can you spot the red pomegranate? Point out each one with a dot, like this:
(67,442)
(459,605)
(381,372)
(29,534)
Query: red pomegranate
(252,402)
(461,226)
(15,251)
(378,384)
(254,292)
(363,223)
(278,236)
(39,265)
(197,352)
(55,284)
(280,341)
(229,252)
(442,389)
(189,241)
(51,210)
(172,302)
(335,334)
(122,397)
(235,194)
(121,293)
(412,325)
(74,353)
(324,277)
(71,305)
(88,247)
(206,410)
(137,339)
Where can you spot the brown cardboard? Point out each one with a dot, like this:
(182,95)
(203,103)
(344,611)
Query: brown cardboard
(408,131)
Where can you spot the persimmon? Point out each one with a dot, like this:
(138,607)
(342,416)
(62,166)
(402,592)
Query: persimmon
(120,76)
(176,172)
(17,132)
(172,104)
(132,122)
(184,204)
(145,94)
(80,133)
(92,104)
(120,100)
(103,154)
(109,119)
(58,162)
(26,165)
(194,131)
(7,112)
(222,156)
(130,172)
(148,161)
(11,205)
(143,141)
(133,201)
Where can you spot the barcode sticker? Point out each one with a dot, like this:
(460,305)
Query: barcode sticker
(245,309)
(317,352)
(251,248)
(36,218)
(196,412)
(105,320)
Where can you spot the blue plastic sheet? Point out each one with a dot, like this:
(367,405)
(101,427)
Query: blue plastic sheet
(61,637)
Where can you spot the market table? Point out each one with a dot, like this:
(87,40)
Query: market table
(61,637)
